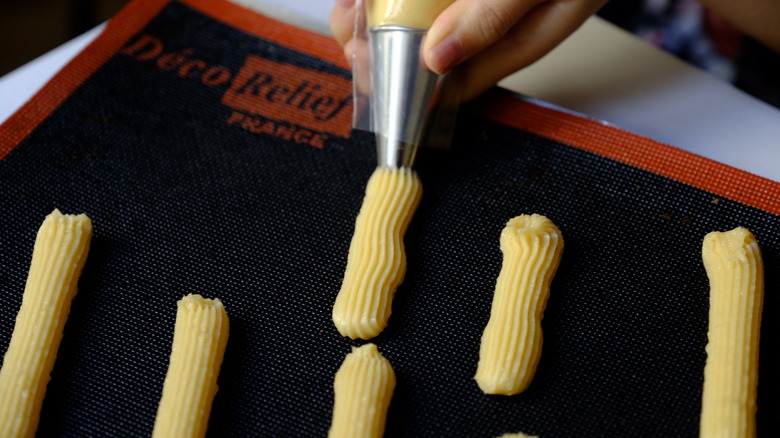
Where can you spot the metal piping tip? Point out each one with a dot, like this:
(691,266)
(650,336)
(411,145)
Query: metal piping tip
(402,93)
(394,153)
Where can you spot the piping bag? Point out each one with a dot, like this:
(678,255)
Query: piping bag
(405,105)
(397,98)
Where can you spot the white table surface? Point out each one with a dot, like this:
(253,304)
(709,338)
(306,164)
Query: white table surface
(601,72)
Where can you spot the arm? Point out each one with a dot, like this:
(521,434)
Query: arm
(757,18)
(491,39)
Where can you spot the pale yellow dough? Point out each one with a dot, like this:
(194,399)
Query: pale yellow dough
(60,251)
(418,14)
(363,388)
(377,262)
(517,435)
(199,341)
(735,269)
(512,340)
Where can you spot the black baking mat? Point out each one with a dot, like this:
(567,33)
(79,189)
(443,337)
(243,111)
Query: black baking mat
(183,202)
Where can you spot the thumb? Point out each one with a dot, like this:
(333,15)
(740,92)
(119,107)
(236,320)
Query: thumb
(467,27)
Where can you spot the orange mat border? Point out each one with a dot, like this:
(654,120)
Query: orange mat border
(635,150)
(500,106)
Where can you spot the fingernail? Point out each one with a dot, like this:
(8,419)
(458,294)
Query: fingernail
(446,55)
(346,4)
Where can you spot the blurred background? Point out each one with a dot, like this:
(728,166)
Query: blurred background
(30,28)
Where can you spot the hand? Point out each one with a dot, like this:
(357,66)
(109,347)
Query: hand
(488,39)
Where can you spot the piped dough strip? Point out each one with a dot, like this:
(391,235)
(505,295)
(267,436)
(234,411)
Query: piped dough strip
(199,339)
(363,388)
(735,269)
(59,253)
(377,262)
(512,341)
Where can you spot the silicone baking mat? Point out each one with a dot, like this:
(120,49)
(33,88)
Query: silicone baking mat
(212,148)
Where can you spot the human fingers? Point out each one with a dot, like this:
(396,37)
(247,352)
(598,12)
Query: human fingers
(356,51)
(342,20)
(537,33)
(469,26)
